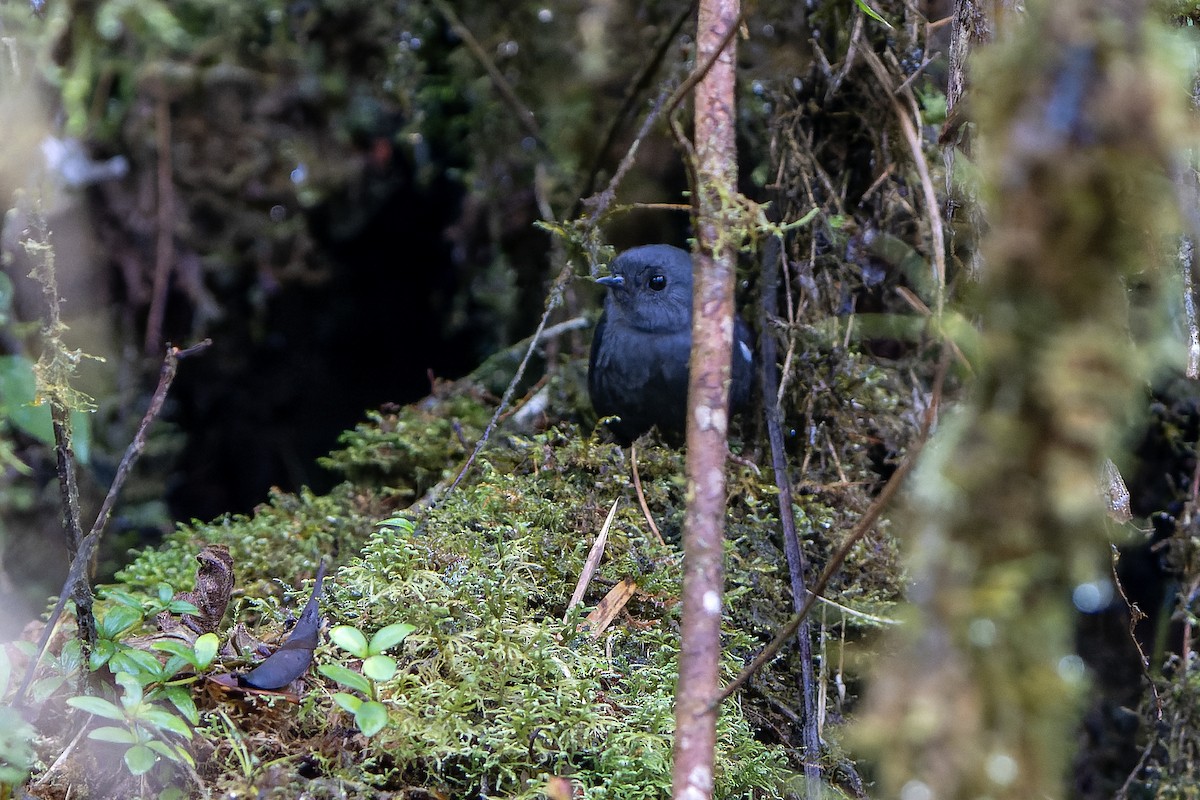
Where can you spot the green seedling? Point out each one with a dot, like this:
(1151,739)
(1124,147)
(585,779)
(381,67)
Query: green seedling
(369,714)
(149,730)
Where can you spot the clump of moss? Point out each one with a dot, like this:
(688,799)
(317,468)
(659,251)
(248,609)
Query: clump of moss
(500,687)
(406,451)
(285,537)
(497,689)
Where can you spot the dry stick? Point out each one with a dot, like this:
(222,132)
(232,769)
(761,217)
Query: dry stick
(164,255)
(60,417)
(701,70)
(80,564)
(38,245)
(810,734)
(864,526)
(860,530)
(56,377)
(715,169)
(600,202)
(637,485)
(524,115)
(913,138)
(552,302)
(637,86)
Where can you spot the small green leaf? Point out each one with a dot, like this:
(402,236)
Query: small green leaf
(350,639)
(172,752)
(399,523)
(139,759)
(124,598)
(181,656)
(71,657)
(872,13)
(166,721)
(182,607)
(18,393)
(174,666)
(379,668)
(132,687)
(164,592)
(389,637)
(371,718)
(347,701)
(182,700)
(45,687)
(176,647)
(346,677)
(116,620)
(103,651)
(108,733)
(206,650)
(141,664)
(96,705)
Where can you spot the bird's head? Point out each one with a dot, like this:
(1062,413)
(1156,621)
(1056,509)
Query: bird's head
(650,289)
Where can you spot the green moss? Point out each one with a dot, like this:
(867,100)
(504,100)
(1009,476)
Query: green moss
(495,689)
(406,451)
(500,686)
(285,537)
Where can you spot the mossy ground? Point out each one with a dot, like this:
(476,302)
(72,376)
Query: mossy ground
(500,687)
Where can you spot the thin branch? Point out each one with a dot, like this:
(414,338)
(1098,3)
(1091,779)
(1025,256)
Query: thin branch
(599,203)
(552,302)
(810,734)
(868,519)
(715,257)
(702,70)
(863,527)
(913,138)
(164,255)
(79,573)
(507,93)
(637,87)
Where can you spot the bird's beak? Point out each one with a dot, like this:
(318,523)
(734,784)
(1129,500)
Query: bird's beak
(612,281)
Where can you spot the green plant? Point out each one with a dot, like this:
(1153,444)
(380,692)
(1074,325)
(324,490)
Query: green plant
(369,714)
(16,737)
(147,728)
(128,613)
(61,667)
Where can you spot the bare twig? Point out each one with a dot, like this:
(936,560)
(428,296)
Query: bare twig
(552,302)
(599,203)
(637,485)
(864,525)
(507,93)
(636,88)
(715,259)
(79,573)
(835,563)
(913,138)
(851,51)
(810,732)
(164,255)
(55,373)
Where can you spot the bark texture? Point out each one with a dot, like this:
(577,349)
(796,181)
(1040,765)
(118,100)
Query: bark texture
(708,403)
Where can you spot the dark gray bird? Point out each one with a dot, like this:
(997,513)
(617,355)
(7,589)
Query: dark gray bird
(638,369)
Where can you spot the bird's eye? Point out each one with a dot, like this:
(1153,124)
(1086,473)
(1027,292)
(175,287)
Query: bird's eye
(657,282)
